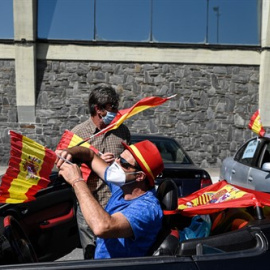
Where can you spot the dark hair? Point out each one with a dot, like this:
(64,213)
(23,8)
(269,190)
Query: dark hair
(102,95)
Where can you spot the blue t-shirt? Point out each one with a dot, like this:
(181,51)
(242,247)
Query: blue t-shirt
(145,217)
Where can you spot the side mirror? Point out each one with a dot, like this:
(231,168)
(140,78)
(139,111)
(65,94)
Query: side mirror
(266,167)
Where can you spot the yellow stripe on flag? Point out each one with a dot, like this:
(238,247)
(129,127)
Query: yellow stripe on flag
(75,140)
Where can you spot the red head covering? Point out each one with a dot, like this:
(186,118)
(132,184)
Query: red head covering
(148,157)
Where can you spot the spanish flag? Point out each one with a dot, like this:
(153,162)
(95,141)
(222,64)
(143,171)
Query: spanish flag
(220,196)
(28,171)
(143,104)
(69,139)
(255,124)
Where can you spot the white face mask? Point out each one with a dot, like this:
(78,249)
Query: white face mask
(116,175)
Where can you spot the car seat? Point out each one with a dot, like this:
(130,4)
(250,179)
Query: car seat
(230,220)
(167,242)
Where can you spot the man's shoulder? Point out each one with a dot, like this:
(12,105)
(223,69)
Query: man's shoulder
(148,199)
(86,126)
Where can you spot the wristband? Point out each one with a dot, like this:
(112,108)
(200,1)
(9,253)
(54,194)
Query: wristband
(76,181)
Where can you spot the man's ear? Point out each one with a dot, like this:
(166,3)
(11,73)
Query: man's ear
(140,176)
(97,109)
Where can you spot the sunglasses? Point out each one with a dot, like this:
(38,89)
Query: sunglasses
(127,165)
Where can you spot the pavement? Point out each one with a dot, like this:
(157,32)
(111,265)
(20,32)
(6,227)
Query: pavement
(214,173)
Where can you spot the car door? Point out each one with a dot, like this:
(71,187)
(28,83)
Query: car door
(49,221)
(258,178)
(241,249)
(243,161)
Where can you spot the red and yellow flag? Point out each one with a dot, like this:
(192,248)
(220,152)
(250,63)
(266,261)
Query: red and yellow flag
(143,104)
(29,168)
(255,124)
(69,139)
(219,196)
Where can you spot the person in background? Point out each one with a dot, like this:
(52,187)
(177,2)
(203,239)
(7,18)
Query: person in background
(130,223)
(103,106)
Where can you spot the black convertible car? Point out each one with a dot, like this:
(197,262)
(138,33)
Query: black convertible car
(35,234)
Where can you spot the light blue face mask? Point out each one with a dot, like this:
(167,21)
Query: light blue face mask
(107,119)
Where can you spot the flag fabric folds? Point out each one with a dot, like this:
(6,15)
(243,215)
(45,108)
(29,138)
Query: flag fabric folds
(220,196)
(143,104)
(69,139)
(255,124)
(28,171)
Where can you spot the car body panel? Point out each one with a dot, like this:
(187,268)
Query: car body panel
(246,167)
(247,249)
(236,173)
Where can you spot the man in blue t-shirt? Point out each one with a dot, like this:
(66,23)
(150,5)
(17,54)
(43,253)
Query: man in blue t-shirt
(129,225)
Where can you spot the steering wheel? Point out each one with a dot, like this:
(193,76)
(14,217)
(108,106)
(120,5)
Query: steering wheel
(19,242)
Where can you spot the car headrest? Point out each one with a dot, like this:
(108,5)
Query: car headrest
(167,194)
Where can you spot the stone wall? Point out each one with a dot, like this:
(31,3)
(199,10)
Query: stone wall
(209,115)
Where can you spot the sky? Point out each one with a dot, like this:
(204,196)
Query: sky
(176,21)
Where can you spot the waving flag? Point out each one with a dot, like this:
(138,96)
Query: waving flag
(255,124)
(122,115)
(28,171)
(69,139)
(220,196)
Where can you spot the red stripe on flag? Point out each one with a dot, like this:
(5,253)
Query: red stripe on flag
(13,169)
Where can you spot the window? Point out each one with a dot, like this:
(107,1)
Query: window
(122,20)
(247,152)
(6,19)
(166,21)
(66,19)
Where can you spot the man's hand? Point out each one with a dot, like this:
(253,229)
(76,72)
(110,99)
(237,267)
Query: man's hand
(61,157)
(70,172)
(108,157)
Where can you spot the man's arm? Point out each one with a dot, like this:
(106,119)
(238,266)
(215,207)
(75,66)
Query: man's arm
(102,224)
(82,155)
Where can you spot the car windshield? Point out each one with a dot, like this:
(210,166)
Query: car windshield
(170,151)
